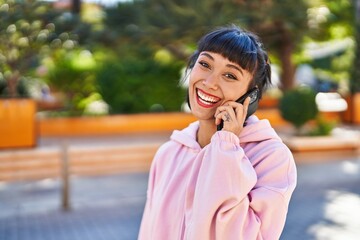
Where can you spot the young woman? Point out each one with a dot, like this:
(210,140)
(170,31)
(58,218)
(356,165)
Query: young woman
(234,182)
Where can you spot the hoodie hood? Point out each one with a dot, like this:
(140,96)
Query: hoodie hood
(187,136)
(255,131)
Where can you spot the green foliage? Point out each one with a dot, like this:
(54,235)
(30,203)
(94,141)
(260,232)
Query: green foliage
(25,38)
(331,19)
(21,88)
(178,25)
(355,71)
(323,127)
(174,25)
(167,22)
(151,40)
(335,20)
(133,85)
(73,73)
(94,105)
(298,106)
(276,21)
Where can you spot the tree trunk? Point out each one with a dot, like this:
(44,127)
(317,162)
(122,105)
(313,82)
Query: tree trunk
(76,6)
(288,69)
(12,84)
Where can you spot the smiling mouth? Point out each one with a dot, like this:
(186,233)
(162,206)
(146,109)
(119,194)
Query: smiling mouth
(206,100)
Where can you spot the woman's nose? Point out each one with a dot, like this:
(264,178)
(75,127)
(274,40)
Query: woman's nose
(211,81)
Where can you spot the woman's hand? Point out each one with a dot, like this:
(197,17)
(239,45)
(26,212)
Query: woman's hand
(233,114)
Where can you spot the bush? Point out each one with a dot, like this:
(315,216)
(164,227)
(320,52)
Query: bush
(73,73)
(140,85)
(323,127)
(298,106)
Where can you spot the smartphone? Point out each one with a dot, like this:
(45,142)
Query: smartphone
(253,105)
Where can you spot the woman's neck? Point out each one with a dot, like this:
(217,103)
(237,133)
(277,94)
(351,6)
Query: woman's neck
(206,130)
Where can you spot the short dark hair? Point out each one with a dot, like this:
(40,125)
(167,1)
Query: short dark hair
(241,47)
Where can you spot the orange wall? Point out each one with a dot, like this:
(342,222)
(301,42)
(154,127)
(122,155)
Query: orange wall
(356,108)
(17,118)
(132,123)
(115,124)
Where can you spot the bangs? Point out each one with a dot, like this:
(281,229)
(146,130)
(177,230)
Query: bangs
(236,46)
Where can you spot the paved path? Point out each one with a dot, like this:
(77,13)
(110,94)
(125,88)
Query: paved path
(326,203)
(325,206)
(103,208)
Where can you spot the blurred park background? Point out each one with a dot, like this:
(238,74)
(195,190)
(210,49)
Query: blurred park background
(89,89)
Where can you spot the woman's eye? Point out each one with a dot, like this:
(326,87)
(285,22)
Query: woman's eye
(204,64)
(231,76)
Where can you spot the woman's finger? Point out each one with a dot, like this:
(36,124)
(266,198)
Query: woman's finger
(225,113)
(245,109)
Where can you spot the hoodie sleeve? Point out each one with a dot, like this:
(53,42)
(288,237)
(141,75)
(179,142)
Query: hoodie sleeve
(232,199)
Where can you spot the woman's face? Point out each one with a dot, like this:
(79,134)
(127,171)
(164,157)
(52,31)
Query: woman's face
(214,80)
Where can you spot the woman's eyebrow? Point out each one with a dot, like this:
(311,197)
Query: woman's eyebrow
(235,67)
(208,55)
(228,65)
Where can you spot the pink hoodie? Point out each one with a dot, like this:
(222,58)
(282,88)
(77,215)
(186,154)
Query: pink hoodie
(233,188)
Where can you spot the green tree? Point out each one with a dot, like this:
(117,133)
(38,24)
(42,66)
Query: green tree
(331,24)
(174,25)
(24,39)
(282,25)
(355,76)
(177,25)
(330,19)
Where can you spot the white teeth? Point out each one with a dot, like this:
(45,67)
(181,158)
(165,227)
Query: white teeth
(208,99)
(206,103)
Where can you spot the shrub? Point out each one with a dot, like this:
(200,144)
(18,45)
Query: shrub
(73,73)
(298,106)
(323,127)
(140,85)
